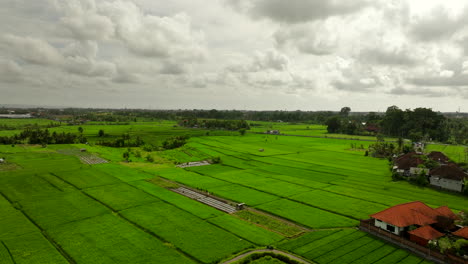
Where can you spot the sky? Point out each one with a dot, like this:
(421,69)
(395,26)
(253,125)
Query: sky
(235,54)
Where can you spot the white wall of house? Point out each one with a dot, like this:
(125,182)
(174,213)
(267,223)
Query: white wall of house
(448,184)
(387,226)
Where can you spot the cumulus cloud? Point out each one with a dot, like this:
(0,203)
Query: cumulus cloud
(439,24)
(31,50)
(318,38)
(385,56)
(458,80)
(10,71)
(154,36)
(296,11)
(88,26)
(263,47)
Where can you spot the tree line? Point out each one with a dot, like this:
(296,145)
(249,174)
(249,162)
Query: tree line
(215,124)
(420,124)
(43,136)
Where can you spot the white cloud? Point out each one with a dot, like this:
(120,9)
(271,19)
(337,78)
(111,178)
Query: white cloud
(327,53)
(31,50)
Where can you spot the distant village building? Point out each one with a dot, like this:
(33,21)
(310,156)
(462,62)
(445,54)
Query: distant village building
(16,116)
(449,177)
(462,233)
(439,157)
(415,220)
(273,132)
(418,147)
(408,165)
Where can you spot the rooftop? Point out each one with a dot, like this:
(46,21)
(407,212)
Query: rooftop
(409,160)
(407,214)
(463,232)
(449,172)
(426,232)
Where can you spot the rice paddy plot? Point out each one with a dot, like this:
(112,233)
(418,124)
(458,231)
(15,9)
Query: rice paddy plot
(360,209)
(33,248)
(12,222)
(202,240)
(192,179)
(123,173)
(55,210)
(198,209)
(19,186)
(306,215)
(120,196)
(305,239)
(395,257)
(242,194)
(319,252)
(86,178)
(270,222)
(324,240)
(246,230)
(109,239)
(262,182)
(344,250)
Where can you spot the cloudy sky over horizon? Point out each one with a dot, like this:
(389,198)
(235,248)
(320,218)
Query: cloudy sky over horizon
(235,54)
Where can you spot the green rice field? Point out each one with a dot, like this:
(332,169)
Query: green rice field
(56,209)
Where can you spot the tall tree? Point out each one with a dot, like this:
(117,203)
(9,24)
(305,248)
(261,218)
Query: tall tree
(345,111)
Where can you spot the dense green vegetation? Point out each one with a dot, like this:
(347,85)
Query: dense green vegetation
(55,209)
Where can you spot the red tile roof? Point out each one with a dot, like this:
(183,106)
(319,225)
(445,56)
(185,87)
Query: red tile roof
(413,213)
(445,211)
(438,156)
(463,232)
(426,232)
(408,161)
(449,172)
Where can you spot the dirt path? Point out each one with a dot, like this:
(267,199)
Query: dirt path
(266,250)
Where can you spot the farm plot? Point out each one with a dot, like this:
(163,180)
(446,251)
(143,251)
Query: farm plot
(198,209)
(108,239)
(86,178)
(120,196)
(192,179)
(12,222)
(346,246)
(123,173)
(19,186)
(271,223)
(306,215)
(202,240)
(305,239)
(32,248)
(360,209)
(246,230)
(55,210)
(242,194)
(261,182)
